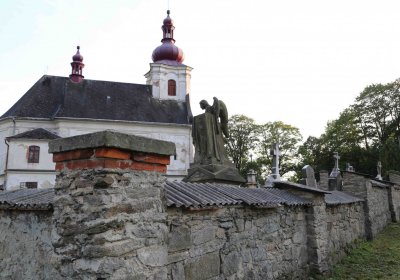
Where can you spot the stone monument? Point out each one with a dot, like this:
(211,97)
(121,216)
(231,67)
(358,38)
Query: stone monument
(335,181)
(274,176)
(349,167)
(308,176)
(251,179)
(209,132)
(379,171)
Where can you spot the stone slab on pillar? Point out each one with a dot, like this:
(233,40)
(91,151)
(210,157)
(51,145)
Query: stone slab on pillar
(109,149)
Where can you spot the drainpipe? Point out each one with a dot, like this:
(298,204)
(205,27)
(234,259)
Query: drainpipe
(14,126)
(8,149)
(6,166)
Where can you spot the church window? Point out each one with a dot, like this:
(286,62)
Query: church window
(28,185)
(171,88)
(33,154)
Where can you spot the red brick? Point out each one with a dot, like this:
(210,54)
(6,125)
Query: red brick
(112,153)
(70,155)
(111,163)
(59,166)
(148,167)
(151,158)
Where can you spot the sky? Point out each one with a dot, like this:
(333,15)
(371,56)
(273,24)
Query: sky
(300,62)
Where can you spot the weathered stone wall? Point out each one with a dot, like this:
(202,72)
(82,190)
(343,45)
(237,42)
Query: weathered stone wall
(237,243)
(355,184)
(345,224)
(110,225)
(378,208)
(394,202)
(378,212)
(26,251)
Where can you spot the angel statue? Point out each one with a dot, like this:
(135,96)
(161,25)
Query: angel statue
(209,133)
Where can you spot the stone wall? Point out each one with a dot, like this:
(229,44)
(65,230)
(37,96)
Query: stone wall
(345,224)
(110,225)
(26,251)
(111,221)
(394,202)
(378,206)
(378,212)
(237,243)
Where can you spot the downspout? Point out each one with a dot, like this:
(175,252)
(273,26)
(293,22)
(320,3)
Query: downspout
(6,166)
(8,148)
(14,126)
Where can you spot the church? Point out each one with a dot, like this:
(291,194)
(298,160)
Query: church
(67,106)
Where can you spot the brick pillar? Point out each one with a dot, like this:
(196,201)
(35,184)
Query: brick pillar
(109,207)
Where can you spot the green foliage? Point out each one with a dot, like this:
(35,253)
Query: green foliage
(366,132)
(248,140)
(288,138)
(243,139)
(379,259)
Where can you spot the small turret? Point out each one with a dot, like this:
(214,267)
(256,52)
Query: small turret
(77,66)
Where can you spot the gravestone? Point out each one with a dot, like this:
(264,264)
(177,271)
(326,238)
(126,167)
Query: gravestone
(308,177)
(379,171)
(349,167)
(251,179)
(335,181)
(274,176)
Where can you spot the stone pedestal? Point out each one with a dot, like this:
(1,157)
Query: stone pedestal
(214,173)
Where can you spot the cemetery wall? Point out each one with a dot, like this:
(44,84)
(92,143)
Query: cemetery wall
(109,225)
(378,211)
(345,224)
(238,243)
(394,202)
(380,207)
(26,251)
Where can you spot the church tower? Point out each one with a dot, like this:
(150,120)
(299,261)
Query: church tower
(170,79)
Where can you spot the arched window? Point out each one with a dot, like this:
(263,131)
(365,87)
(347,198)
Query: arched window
(171,88)
(33,154)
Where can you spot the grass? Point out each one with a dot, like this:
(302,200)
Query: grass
(377,259)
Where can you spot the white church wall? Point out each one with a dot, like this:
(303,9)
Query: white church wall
(17,179)
(19,170)
(18,155)
(179,134)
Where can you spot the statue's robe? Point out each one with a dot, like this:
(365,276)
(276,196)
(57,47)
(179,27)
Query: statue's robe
(208,140)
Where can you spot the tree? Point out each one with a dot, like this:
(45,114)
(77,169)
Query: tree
(365,132)
(287,136)
(243,139)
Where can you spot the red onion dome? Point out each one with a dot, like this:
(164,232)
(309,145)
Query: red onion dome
(168,51)
(77,57)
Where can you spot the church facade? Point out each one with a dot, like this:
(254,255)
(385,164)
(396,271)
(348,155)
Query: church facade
(67,106)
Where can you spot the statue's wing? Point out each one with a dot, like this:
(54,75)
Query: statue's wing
(216,109)
(223,116)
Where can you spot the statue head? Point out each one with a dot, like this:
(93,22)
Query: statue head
(204,104)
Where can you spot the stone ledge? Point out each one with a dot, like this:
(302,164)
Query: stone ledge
(112,139)
(113,150)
